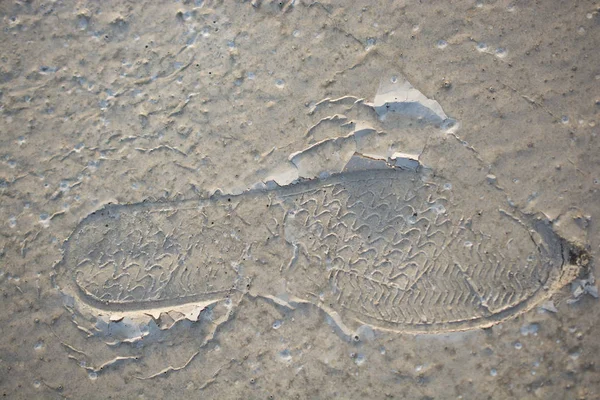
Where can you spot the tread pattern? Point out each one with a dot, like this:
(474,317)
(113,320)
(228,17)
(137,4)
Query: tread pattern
(380,246)
(402,252)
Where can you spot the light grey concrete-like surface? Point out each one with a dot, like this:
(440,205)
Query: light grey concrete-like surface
(165,102)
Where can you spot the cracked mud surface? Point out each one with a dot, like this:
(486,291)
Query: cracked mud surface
(480,118)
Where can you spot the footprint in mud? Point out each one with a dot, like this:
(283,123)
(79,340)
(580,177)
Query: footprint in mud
(403,250)
(397,225)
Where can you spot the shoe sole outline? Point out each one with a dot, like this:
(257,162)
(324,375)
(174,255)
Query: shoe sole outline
(385,248)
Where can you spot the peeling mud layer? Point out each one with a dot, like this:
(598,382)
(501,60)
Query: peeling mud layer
(389,248)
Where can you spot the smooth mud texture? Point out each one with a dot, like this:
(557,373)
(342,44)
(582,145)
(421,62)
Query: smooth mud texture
(391,248)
